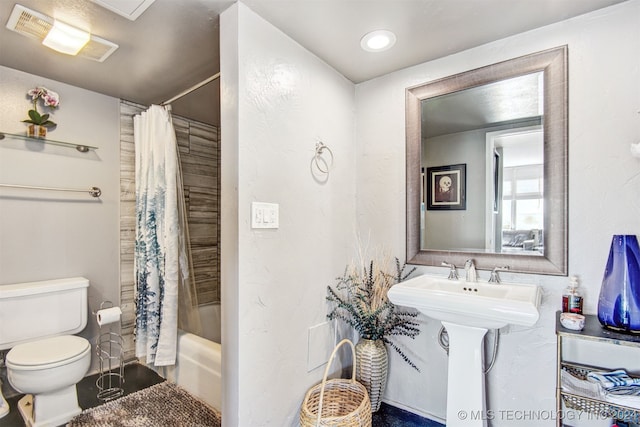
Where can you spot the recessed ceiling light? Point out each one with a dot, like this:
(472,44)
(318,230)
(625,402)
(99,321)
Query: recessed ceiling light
(66,39)
(378,41)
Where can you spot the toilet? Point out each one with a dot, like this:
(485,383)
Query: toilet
(45,360)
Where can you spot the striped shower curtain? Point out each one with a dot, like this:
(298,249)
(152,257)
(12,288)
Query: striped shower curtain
(158,236)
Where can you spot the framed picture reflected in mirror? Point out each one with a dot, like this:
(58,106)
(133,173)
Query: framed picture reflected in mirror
(446,187)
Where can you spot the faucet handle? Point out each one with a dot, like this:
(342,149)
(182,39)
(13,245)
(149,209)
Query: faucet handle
(495,278)
(453,273)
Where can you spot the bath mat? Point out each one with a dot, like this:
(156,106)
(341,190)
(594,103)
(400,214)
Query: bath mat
(164,404)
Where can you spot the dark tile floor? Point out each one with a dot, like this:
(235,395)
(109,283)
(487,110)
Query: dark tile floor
(390,416)
(139,377)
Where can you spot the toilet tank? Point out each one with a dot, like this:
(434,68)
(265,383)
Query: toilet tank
(36,310)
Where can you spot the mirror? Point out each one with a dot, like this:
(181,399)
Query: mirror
(487,166)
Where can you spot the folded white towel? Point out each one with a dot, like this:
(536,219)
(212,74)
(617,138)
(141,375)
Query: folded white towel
(625,396)
(625,390)
(612,378)
(573,385)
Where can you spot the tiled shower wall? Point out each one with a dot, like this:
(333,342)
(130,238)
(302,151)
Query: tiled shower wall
(200,161)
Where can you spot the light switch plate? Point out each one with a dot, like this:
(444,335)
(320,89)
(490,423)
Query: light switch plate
(265,215)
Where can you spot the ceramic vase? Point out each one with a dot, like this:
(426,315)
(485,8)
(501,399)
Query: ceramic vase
(619,302)
(372,363)
(36,131)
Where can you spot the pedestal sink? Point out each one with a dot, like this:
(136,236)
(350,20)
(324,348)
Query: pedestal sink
(467,310)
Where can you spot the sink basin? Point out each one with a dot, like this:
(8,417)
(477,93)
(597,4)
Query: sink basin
(483,305)
(467,310)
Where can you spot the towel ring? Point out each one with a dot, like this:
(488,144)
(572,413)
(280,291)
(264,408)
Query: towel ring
(318,159)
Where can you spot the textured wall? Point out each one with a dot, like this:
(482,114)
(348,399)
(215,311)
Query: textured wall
(277,100)
(199,159)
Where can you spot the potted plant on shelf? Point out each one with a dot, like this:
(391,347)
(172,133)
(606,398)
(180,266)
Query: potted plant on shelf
(360,300)
(39,123)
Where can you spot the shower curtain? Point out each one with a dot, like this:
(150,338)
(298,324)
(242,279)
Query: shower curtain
(165,289)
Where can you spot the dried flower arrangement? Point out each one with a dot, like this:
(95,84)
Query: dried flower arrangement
(360,298)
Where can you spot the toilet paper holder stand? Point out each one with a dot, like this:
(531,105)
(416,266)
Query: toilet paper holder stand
(109,349)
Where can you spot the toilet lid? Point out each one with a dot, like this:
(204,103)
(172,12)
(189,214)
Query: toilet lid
(48,351)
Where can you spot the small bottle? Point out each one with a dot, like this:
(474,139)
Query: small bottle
(571,299)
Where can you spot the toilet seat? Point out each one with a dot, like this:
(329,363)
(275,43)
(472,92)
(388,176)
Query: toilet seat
(47,353)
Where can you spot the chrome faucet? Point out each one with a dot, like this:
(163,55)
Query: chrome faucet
(494,274)
(470,268)
(453,273)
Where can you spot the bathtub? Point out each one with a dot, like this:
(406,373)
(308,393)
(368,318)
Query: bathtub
(210,315)
(198,365)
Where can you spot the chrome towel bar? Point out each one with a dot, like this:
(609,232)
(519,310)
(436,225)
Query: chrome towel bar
(94,191)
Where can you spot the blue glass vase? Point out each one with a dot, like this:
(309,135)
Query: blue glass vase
(619,303)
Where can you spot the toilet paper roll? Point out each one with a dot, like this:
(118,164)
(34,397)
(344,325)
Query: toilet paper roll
(108,315)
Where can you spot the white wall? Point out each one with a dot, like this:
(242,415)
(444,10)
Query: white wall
(604,194)
(458,229)
(49,235)
(278,100)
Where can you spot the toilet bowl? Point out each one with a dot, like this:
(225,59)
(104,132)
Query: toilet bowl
(45,358)
(47,371)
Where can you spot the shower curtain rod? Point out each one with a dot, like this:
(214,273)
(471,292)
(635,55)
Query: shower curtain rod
(191,89)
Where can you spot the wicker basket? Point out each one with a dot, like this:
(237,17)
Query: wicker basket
(337,402)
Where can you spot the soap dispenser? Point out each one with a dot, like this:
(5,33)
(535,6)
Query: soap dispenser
(571,299)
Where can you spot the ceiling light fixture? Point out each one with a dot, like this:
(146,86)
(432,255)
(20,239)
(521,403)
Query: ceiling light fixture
(66,39)
(38,26)
(378,41)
